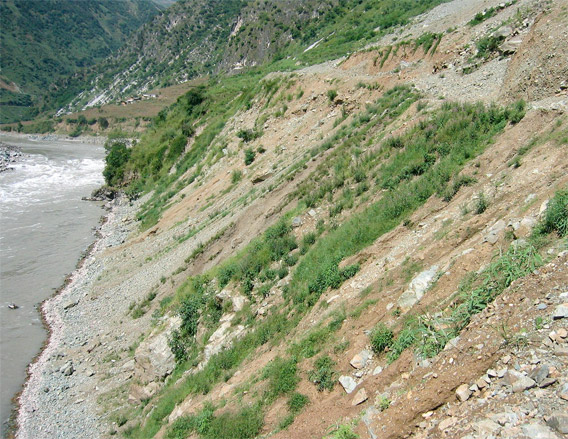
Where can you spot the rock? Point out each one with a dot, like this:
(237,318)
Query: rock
(561,312)
(538,431)
(447,423)
(377,370)
(494,232)
(312,213)
(562,333)
(486,427)
(510,47)
(367,419)
(518,381)
(70,305)
(67,369)
(539,374)
(546,382)
(297,222)
(463,393)
(359,361)
(541,306)
(563,392)
(360,397)
(559,422)
(417,288)
(348,383)
(260,178)
(481,383)
(503,32)
(154,358)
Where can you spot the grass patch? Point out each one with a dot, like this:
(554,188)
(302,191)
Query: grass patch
(323,375)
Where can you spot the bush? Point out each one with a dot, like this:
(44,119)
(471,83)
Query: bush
(116,160)
(323,375)
(345,432)
(556,215)
(282,376)
(236,176)
(381,338)
(283,272)
(481,204)
(248,135)
(297,402)
(331,95)
(249,156)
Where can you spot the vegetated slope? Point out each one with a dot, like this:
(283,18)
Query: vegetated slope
(337,221)
(197,37)
(44,40)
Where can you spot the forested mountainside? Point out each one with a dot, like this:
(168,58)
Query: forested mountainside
(197,37)
(45,40)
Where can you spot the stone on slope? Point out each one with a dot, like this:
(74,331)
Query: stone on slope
(348,383)
(359,361)
(360,397)
(417,288)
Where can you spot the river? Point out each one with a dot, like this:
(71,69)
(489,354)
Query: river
(44,229)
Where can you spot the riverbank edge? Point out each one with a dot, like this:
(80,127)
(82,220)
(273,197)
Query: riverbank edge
(12,427)
(55,324)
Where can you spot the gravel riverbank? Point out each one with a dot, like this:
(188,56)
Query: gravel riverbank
(59,399)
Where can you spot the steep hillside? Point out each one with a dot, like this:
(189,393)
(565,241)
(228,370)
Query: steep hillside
(196,37)
(42,41)
(374,246)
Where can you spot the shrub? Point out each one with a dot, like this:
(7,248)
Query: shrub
(297,402)
(481,204)
(116,160)
(405,339)
(283,272)
(249,156)
(309,239)
(248,135)
(331,95)
(236,176)
(323,375)
(556,215)
(345,431)
(381,338)
(282,376)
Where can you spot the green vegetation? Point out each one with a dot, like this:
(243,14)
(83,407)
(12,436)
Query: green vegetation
(429,333)
(245,424)
(381,338)
(488,45)
(249,156)
(45,42)
(323,375)
(116,159)
(331,95)
(282,377)
(344,431)
(555,216)
(420,164)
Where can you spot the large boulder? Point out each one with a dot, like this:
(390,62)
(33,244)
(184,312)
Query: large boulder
(154,359)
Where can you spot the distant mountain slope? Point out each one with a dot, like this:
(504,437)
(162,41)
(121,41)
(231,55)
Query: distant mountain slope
(195,37)
(42,40)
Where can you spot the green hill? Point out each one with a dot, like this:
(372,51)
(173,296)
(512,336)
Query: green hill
(43,40)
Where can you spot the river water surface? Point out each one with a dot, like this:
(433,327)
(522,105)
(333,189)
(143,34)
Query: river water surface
(44,228)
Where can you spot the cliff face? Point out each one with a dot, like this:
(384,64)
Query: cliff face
(359,247)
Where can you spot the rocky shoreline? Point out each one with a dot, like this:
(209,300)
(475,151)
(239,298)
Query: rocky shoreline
(53,402)
(8,155)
